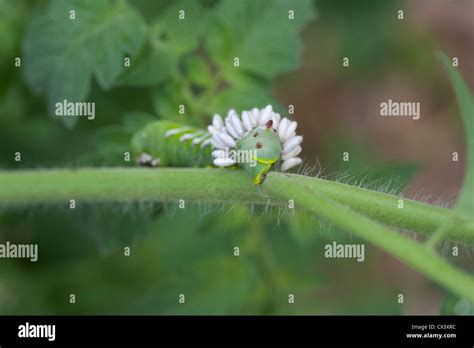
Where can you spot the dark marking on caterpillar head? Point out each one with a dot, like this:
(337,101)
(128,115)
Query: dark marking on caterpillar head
(255,134)
(269,124)
(258,145)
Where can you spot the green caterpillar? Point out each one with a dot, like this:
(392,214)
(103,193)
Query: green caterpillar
(171,144)
(258,141)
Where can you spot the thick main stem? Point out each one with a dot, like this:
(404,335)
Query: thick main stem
(27,187)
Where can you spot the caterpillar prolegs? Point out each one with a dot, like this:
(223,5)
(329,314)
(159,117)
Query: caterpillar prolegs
(259,140)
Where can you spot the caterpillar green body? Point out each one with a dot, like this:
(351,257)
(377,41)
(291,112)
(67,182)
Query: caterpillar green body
(170,144)
(258,141)
(161,143)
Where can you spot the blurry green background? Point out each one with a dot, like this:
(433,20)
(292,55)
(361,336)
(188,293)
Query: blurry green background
(284,62)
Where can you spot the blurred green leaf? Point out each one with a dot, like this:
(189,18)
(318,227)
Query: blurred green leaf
(179,27)
(465,203)
(175,29)
(63,54)
(148,69)
(198,71)
(150,9)
(13,16)
(260,33)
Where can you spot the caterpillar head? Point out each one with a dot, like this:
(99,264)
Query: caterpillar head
(258,141)
(264,148)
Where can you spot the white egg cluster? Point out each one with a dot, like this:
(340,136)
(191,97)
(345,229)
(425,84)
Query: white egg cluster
(226,132)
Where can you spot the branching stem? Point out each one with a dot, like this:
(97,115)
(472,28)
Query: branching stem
(415,254)
(362,212)
(27,187)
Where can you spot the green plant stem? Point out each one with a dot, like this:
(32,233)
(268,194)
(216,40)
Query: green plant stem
(438,235)
(27,187)
(414,216)
(413,253)
(342,204)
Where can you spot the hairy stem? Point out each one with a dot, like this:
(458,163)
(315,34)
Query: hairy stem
(414,216)
(350,208)
(415,254)
(27,187)
(24,187)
